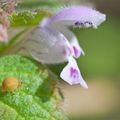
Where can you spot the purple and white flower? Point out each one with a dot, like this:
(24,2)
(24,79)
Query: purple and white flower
(71,73)
(52,42)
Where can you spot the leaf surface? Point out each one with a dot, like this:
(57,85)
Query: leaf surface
(36,98)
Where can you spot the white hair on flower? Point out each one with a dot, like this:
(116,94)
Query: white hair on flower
(52,42)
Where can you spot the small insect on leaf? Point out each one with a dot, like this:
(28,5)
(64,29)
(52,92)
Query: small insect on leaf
(10,84)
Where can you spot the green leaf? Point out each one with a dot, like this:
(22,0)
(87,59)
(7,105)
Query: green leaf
(33,4)
(28,18)
(25,20)
(36,98)
(12,41)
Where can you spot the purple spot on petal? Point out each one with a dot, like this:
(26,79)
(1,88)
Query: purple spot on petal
(79,24)
(75,51)
(88,22)
(66,51)
(74,73)
(83,23)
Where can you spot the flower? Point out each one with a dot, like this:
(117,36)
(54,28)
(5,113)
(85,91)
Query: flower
(52,42)
(71,73)
(3,33)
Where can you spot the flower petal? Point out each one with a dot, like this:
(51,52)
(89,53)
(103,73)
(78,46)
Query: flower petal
(71,73)
(75,47)
(78,16)
(48,45)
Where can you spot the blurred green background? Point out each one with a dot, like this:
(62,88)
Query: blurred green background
(100,66)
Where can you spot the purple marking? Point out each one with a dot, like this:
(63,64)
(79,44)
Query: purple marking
(77,24)
(74,72)
(75,51)
(83,24)
(79,14)
(66,51)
